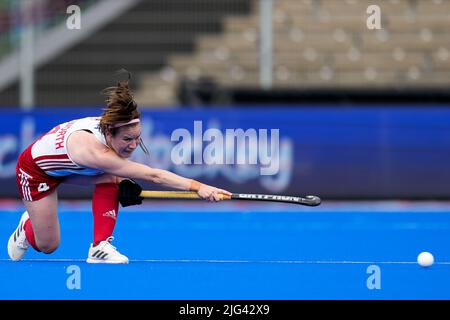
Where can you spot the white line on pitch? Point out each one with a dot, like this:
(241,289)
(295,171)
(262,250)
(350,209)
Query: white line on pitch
(238,261)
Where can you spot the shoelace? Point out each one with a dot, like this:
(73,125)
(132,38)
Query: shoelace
(108,243)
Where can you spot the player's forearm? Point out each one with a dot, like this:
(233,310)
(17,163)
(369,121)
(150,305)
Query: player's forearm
(171,180)
(130,169)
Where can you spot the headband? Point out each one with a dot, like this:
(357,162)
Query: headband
(118,125)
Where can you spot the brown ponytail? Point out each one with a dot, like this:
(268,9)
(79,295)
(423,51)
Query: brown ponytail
(120,107)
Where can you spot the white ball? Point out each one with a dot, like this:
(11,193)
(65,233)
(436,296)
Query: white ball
(425,259)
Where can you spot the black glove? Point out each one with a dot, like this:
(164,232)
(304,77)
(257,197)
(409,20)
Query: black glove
(129,193)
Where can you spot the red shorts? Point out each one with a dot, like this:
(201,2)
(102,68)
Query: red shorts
(33,182)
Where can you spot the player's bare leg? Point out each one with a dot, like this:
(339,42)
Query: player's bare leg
(45,223)
(38,227)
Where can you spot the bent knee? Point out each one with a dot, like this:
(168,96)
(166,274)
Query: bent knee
(108,178)
(48,247)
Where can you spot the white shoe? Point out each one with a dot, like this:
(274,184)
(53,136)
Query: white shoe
(17,243)
(105,252)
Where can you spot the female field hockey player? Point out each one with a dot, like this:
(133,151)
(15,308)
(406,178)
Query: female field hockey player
(89,150)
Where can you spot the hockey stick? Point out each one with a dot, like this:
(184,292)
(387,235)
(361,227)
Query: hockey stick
(311,201)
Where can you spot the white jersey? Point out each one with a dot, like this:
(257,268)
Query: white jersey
(50,151)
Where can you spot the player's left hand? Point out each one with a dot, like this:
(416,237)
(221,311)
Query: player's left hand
(129,193)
